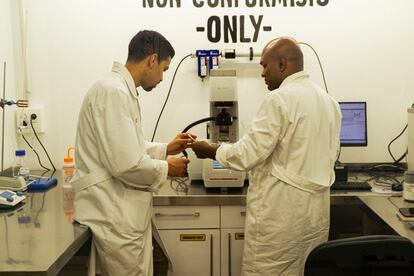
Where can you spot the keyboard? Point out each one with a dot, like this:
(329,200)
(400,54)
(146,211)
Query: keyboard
(351,186)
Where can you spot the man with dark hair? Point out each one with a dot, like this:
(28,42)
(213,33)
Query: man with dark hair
(145,43)
(290,151)
(117,170)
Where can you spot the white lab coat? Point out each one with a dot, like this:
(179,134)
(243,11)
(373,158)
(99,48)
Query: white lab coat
(117,171)
(290,151)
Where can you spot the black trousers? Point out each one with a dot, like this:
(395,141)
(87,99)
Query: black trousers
(160,261)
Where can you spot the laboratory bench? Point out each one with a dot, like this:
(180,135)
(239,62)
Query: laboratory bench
(38,238)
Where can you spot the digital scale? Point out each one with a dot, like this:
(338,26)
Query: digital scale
(10,198)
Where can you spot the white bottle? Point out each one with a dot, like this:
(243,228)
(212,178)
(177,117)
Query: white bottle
(19,167)
(68,170)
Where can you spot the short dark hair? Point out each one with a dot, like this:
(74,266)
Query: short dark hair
(146,43)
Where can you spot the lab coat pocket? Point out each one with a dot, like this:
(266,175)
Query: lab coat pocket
(137,209)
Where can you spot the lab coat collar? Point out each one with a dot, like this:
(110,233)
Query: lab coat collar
(293,77)
(119,68)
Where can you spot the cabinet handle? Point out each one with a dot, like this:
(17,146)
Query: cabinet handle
(243,214)
(195,214)
(211,254)
(229,239)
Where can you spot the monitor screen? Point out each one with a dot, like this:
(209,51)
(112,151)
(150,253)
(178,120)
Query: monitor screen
(217,166)
(354,124)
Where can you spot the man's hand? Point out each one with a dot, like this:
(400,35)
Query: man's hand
(204,150)
(180,143)
(177,166)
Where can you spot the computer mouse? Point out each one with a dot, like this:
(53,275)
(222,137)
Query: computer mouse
(397,187)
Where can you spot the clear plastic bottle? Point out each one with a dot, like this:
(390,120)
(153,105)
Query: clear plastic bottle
(68,170)
(19,166)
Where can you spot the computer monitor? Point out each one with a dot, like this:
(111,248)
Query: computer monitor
(354,124)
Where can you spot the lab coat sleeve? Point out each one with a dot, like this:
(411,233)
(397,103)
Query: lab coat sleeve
(121,150)
(260,141)
(156,150)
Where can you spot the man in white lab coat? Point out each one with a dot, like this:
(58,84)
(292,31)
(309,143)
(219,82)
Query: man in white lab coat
(117,171)
(290,151)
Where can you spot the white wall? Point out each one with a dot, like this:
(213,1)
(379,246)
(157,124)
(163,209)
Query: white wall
(366,48)
(10,54)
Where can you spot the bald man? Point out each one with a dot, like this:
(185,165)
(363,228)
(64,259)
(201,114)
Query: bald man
(290,152)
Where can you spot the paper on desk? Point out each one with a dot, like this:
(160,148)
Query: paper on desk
(385,190)
(405,219)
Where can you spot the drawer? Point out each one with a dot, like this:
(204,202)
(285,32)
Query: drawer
(186,217)
(233,216)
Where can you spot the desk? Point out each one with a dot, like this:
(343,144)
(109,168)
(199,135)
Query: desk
(386,208)
(382,205)
(38,238)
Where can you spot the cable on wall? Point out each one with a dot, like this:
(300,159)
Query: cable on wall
(168,95)
(38,158)
(32,117)
(396,161)
(320,64)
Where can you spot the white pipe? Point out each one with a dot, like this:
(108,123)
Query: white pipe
(23,36)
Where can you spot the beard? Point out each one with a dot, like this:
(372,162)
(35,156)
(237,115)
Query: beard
(149,88)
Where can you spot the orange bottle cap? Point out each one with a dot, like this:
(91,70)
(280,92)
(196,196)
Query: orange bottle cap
(69,159)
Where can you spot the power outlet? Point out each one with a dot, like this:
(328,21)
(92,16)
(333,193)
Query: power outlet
(23,116)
